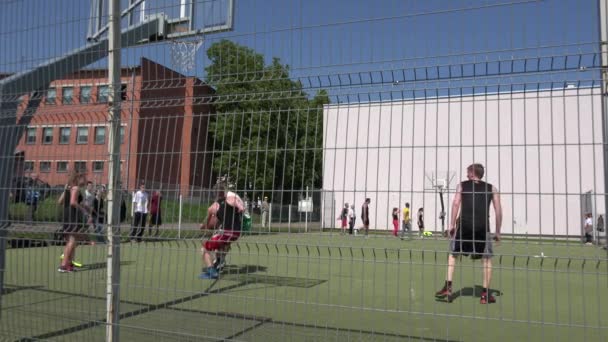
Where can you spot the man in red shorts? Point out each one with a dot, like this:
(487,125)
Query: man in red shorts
(225,215)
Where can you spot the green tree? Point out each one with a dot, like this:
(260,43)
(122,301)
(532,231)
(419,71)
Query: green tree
(267,132)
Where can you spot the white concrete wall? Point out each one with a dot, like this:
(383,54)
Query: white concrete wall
(542,150)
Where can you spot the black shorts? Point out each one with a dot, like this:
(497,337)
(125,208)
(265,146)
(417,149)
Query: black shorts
(366,223)
(73,222)
(156,219)
(477,244)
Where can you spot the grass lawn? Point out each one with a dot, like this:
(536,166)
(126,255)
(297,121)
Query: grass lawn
(312,287)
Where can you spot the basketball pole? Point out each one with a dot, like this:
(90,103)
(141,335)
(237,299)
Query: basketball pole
(442,214)
(113,226)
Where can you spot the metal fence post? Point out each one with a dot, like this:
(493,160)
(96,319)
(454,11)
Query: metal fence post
(179,219)
(113,231)
(603,26)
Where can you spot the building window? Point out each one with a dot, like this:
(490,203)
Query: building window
(97,166)
(82,136)
(51,96)
(62,167)
(122,135)
(28,166)
(45,166)
(85,94)
(47,135)
(123,92)
(80,166)
(64,135)
(67,95)
(100,135)
(103,92)
(31,136)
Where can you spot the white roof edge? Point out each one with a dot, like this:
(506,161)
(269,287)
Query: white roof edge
(543,90)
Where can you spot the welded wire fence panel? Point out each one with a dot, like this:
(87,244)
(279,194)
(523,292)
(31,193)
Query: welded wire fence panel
(350,131)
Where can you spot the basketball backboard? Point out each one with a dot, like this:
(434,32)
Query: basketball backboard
(180,18)
(438,180)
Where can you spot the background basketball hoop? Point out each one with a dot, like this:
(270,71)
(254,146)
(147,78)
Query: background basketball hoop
(440,183)
(183,53)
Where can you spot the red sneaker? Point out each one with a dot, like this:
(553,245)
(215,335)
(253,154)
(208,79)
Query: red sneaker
(446,291)
(486,299)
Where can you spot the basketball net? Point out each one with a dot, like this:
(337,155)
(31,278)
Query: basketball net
(183,53)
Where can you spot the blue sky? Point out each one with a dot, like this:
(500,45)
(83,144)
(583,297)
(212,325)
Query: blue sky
(342,37)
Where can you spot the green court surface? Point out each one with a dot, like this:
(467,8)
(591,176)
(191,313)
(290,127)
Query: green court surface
(311,287)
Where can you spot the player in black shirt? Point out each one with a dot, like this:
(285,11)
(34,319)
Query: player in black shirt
(470,231)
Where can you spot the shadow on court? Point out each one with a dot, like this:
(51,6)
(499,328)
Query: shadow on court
(247,275)
(469,292)
(242,269)
(8,289)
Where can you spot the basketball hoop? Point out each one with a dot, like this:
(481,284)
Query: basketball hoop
(440,184)
(183,53)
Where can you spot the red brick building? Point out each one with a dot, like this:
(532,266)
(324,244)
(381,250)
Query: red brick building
(163,131)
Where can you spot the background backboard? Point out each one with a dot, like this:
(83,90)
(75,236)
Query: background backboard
(182,18)
(439,180)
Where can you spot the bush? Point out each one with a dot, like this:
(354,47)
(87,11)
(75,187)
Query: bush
(48,211)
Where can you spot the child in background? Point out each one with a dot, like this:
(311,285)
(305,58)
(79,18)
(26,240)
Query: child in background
(395,222)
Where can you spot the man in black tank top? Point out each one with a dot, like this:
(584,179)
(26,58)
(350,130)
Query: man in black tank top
(225,215)
(470,228)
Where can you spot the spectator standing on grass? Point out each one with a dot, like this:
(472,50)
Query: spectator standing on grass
(265,207)
(99,214)
(89,195)
(351,219)
(420,222)
(32,197)
(75,218)
(246,202)
(600,228)
(605,235)
(89,198)
(406,220)
(589,230)
(471,233)
(396,221)
(140,205)
(156,219)
(343,218)
(365,215)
